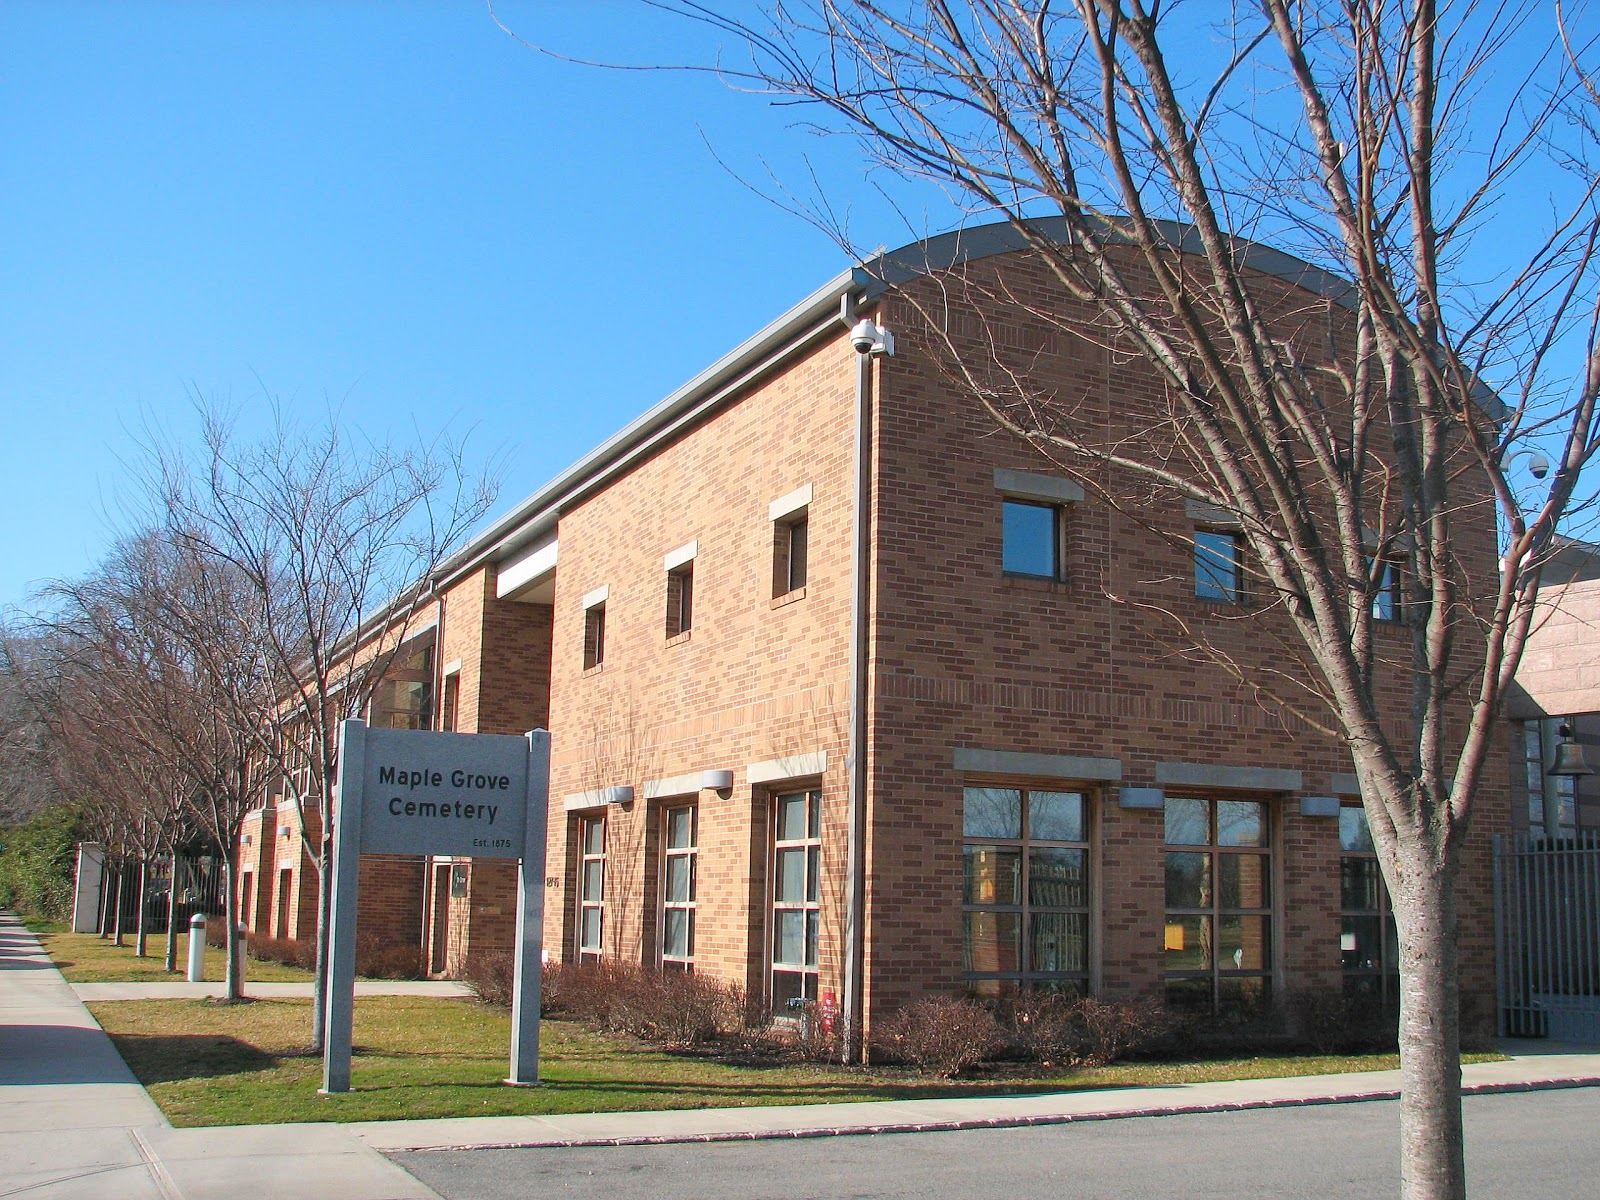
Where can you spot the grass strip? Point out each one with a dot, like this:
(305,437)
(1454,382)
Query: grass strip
(207,1063)
(87,958)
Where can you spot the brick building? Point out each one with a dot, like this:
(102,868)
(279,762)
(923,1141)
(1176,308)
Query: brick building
(853,700)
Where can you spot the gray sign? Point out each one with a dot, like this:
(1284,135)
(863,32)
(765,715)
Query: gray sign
(444,793)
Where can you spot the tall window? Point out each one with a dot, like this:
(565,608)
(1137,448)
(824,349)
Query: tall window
(1026,890)
(1367,941)
(680,599)
(678,852)
(591,888)
(791,542)
(1219,904)
(1031,539)
(594,635)
(796,897)
(450,709)
(1218,569)
(1548,796)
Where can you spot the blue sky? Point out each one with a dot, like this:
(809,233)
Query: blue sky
(389,208)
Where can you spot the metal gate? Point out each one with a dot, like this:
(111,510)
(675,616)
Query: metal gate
(1547,935)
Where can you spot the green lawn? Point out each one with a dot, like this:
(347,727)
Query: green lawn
(206,1063)
(85,958)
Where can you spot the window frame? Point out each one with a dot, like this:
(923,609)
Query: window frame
(1026,976)
(666,905)
(1206,569)
(1057,538)
(1387,972)
(584,902)
(791,552)
(680,599)
(1388,602)
(594,635)
(808,971)
(1215,852)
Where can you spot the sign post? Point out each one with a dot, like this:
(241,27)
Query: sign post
(465,795)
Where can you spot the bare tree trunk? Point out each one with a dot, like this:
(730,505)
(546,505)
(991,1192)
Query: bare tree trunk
(108,890)
(116,912)
(171,962)
(141,924)
(1432,1164)
(234,971)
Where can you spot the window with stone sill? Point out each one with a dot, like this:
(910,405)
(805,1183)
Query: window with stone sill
(1218,932)
(1025,890)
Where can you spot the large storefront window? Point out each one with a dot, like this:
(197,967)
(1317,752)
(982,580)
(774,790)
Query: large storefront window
(591,888)
(1218,935)
(678,852)
(1367,941)
(1025,893)
(796,897)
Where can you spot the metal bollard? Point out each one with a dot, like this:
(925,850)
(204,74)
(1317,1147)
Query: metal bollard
(197,947)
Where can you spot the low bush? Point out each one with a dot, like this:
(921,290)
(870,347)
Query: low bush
(1082,1031)
(381,960)
(942,1035)
(489,976)
(1333,1023)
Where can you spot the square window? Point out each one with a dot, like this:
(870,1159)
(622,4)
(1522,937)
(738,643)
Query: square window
(1218,570)
(680,599)
(594,636)
(790,551)
(1031,539)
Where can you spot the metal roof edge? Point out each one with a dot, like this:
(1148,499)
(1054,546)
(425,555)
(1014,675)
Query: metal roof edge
(541,510)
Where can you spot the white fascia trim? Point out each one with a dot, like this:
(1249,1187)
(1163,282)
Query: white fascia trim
(793,766)
(1030,485)
(579,801)
(687,552)
(790,504)
(599,596)
(537,561)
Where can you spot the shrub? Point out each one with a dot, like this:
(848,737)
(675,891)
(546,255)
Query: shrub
(942,1035)
(37,861)
(1333,1023)
(1114,1030)
(488,974)
(383,960)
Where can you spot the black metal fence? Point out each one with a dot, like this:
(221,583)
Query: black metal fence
(1547,935)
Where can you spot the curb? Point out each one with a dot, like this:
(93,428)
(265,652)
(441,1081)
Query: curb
(1201,1109)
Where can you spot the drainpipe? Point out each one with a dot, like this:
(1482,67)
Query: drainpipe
(869,342)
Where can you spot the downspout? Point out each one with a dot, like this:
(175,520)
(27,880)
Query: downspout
(869,342)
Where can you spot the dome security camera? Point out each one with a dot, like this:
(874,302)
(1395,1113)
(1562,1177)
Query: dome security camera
(1538,466)
(864,336)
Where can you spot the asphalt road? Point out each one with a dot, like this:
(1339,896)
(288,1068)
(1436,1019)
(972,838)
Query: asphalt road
(1524,1146)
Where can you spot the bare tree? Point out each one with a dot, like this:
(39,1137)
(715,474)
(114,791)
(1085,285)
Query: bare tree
(161,681)
(1422,154)
(338,542)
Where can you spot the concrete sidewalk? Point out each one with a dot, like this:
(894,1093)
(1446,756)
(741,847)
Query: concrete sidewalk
(75,1124)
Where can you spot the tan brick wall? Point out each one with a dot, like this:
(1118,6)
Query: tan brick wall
(753,680)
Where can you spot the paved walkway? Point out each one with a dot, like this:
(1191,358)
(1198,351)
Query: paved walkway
(75,1124)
